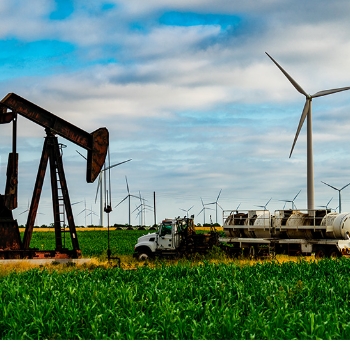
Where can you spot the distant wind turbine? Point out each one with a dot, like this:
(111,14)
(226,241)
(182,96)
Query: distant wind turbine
(128,196)
(326,206)
(339,190)
(216,206)
(203,210)
(186,211)
(291,201)
(102,183)
(264,206)
(307,112)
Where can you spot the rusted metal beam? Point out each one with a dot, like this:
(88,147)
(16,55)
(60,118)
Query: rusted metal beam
(96,143)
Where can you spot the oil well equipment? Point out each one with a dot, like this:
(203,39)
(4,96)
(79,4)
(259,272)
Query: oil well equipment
(12,245)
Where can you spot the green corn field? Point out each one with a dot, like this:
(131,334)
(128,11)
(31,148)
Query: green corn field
(184,300)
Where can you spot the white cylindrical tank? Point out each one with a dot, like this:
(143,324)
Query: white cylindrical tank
(293,223)
(341,226)
(262,225)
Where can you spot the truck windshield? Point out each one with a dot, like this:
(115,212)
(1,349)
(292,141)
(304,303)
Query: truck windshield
(166,229)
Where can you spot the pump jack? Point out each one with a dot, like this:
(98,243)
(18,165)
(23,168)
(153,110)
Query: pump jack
(96,144)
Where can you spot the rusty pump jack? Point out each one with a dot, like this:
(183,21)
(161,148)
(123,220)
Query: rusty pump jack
(96,144)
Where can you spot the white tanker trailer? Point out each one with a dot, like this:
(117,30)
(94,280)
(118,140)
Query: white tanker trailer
(292,232)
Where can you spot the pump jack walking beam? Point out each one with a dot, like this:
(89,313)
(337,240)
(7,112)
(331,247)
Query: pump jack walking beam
(95,143)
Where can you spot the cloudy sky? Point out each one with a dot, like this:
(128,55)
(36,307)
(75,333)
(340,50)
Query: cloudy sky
(187,92)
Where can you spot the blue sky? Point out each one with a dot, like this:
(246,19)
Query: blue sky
(187,92)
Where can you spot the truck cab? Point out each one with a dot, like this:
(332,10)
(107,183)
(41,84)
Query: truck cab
(174,238)
(165,240)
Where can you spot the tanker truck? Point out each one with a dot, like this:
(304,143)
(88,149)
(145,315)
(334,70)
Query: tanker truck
(256,233)
(253,234)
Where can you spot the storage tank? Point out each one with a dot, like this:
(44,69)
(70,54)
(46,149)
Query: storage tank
(262,225)
(237,219)
(295,220)
(337,225)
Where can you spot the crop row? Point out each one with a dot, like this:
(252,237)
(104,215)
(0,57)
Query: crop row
(92,243)
(264,301)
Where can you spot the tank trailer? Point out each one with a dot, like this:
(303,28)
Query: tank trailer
(253,234)
(293,232)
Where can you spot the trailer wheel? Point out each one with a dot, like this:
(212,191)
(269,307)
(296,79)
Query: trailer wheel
(252,253)
(334,253)
(319,254)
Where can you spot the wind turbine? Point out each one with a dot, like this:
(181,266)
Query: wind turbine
(101,184)
(216,205)
(307,112)
(326,206)
(339,190)
(128,197)
(142,212)
(291,201)
(264,206)
(203,210)
(186,211)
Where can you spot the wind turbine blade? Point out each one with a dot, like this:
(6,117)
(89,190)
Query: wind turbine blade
(81,154)
(200,211)
(131,195)
(218,195)
(329,202)
(345,186)
(296,195)
(331,91)
(294,83)
(121,201)
(127,185)
(301,122)
(330,186)
(112,166)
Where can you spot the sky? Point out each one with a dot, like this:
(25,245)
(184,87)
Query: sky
(187,93)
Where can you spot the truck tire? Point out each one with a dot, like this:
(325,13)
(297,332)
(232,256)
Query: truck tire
(144,255)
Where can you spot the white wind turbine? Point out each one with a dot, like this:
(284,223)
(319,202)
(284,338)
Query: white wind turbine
(339,190)
(203,210)
(216,205)
(101,186)
(307,112)
(291,201)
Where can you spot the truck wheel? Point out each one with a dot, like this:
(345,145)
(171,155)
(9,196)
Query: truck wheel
(144,255)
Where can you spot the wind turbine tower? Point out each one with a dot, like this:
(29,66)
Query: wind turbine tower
(307,113)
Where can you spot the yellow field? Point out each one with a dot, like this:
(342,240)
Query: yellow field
(51,229)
